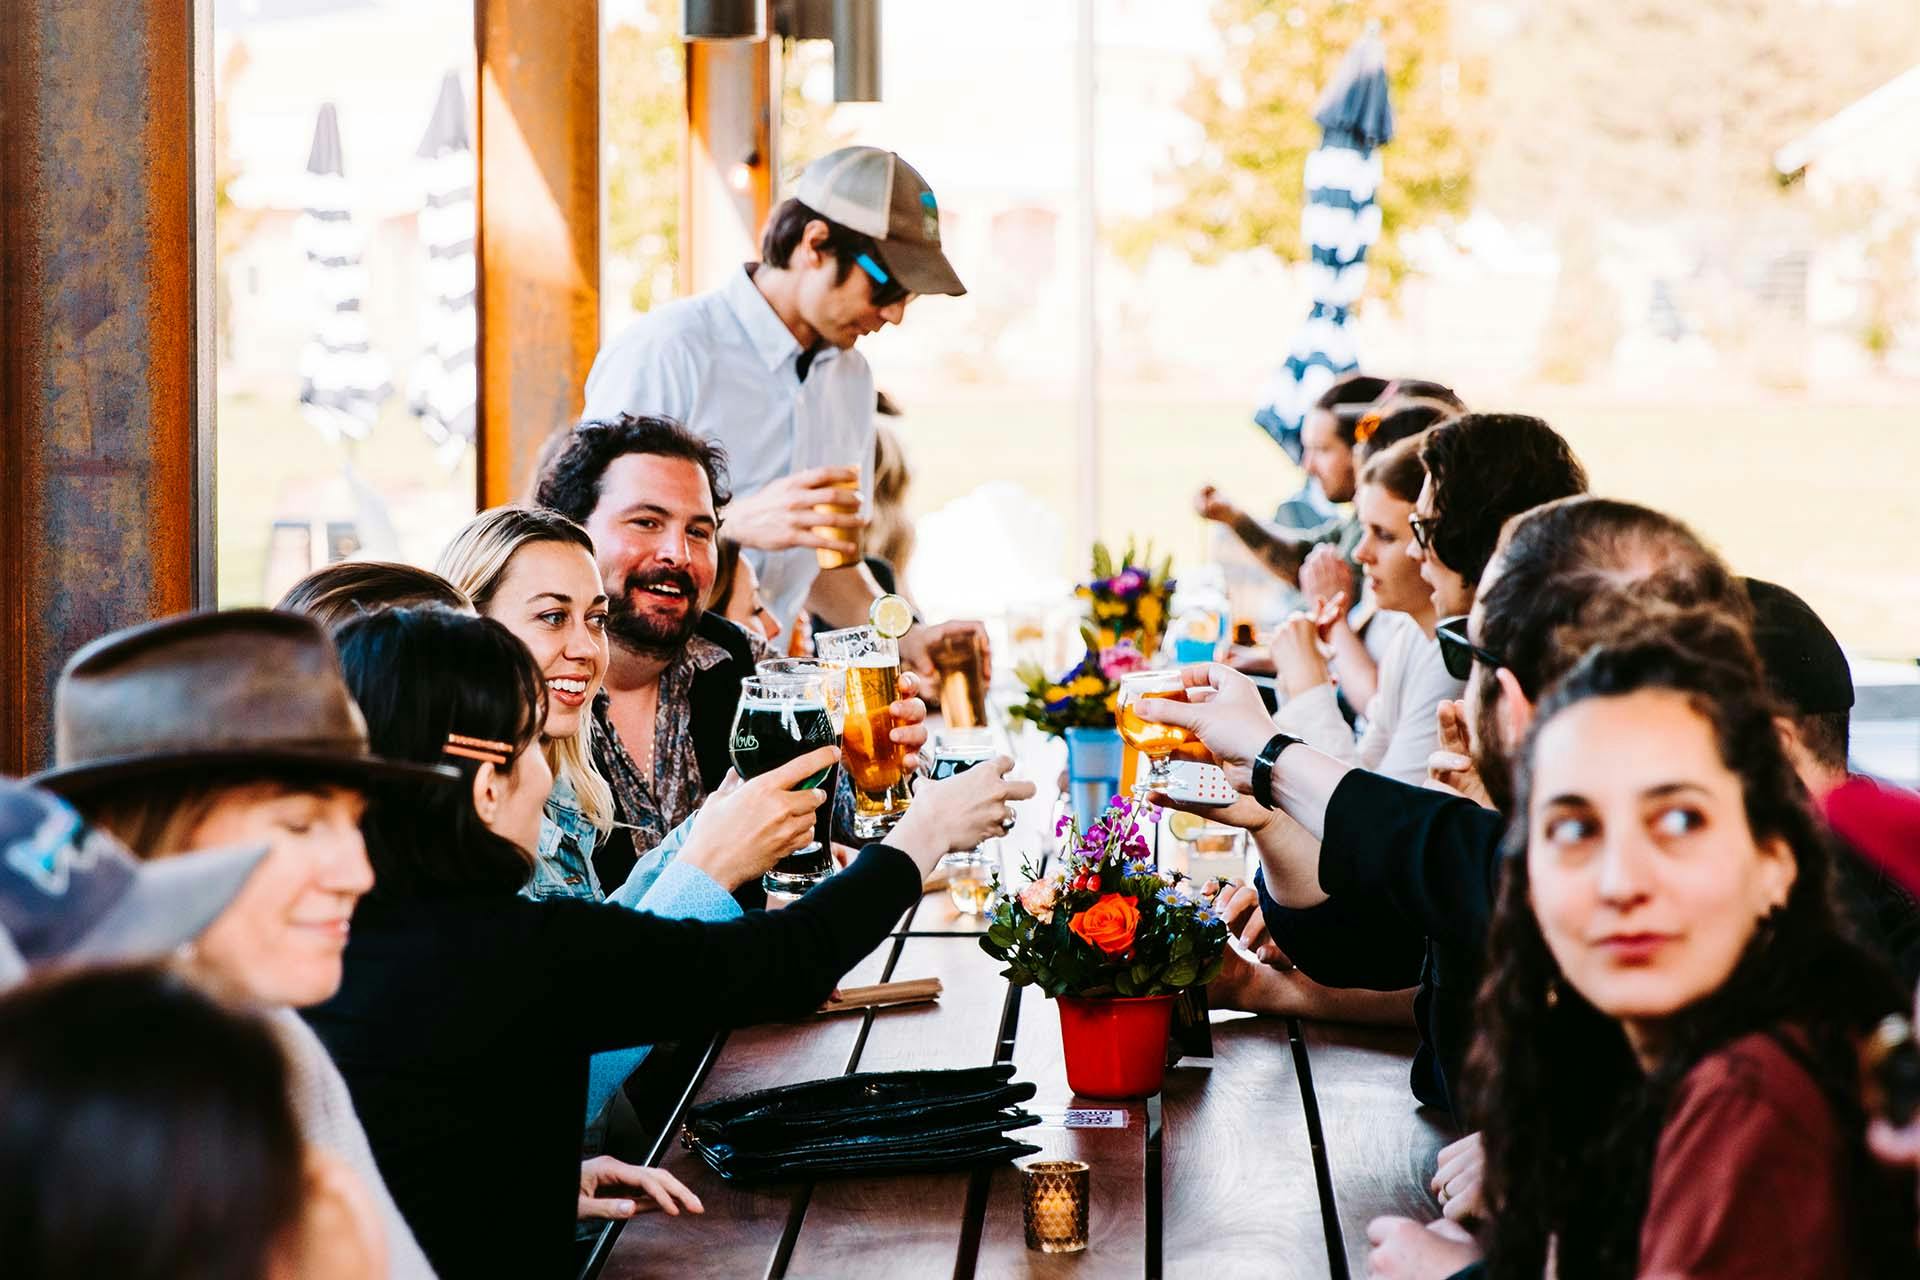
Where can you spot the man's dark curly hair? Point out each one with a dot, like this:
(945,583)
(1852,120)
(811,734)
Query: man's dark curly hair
(570,477)
(1487,468)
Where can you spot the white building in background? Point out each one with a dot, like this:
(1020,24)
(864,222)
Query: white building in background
(1862,171)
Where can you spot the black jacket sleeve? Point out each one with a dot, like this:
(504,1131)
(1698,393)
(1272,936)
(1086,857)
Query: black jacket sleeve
(1343,943)
(1429,858)
(677,977)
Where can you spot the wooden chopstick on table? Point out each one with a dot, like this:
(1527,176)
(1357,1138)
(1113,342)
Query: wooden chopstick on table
(883,995)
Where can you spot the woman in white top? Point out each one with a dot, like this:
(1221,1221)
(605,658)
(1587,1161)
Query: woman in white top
(1400,699)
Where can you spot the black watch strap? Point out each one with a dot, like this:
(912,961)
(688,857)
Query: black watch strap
(1263,767)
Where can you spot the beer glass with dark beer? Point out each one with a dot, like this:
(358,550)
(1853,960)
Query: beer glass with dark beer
(780,719)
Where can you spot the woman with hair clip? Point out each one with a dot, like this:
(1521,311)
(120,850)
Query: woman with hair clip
(460,994)
(1666,1069)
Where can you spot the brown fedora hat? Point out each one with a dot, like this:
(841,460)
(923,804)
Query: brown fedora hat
(244,687)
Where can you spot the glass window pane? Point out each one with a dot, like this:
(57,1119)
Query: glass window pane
(345,284)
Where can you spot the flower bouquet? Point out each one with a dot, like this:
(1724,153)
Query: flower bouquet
(1115,941)
(1083,698)
(1128,600)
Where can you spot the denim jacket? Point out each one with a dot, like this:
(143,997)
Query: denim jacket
(564,866)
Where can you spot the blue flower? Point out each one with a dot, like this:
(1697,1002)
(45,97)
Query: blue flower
(1139,867)
(1171,897)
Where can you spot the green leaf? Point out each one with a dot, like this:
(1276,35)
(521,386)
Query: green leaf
(1213,968)
(1181,973)
(1182,945)
(1124,982)
(999,935)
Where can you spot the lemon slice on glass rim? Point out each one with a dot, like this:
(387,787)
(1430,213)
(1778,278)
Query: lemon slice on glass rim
(891,616)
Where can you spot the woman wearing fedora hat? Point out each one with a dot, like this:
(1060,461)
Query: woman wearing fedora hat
(236,729)
(468,1012)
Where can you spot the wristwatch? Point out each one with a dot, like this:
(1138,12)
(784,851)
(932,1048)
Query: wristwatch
(1263,767)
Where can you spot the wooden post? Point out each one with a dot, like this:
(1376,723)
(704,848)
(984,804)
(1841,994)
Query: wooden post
(729,158)
(106,306)
(539,228)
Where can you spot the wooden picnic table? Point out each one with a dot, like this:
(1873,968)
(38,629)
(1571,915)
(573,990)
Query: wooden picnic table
(1266,1160)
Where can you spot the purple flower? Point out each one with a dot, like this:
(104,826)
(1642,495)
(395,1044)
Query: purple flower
(1060,827)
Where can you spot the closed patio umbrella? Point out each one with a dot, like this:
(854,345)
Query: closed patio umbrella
(1339,223)
(442,391)
(343,380)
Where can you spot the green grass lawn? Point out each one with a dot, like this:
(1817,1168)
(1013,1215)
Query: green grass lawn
(1815,496)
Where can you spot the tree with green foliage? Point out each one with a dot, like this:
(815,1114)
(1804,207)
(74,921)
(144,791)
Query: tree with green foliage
(643,69)
(1254,104)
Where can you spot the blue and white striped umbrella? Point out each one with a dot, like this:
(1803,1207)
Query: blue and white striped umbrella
(1340,222)
(343,380)
(443,390)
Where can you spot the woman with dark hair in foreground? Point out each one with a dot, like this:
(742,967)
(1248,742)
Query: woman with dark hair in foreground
(146,1134)
(468,1012)
(1667,1073)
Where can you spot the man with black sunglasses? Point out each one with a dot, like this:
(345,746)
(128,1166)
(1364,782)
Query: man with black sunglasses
(766,366)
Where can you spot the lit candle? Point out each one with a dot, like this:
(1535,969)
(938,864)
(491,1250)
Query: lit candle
(1056,1205)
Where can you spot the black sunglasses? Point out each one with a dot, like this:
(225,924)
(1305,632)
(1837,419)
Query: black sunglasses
(1457,653)
(1422,529)
(881,285)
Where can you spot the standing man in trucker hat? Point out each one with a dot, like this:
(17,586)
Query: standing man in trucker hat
(766,366)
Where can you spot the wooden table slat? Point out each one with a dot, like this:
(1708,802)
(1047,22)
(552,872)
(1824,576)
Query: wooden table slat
(1380,1141)
(1240,1195)
(911,1222)
(1116,1221)
(741,1229)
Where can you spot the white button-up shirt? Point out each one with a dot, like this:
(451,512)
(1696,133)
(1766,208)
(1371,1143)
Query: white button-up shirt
(724,364)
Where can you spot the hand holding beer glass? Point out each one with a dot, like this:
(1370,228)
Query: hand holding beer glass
(780,719)
(872,758)
(1157,742)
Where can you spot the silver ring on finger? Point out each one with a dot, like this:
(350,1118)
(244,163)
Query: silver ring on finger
(1007,823)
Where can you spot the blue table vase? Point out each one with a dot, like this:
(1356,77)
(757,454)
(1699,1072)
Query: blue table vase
(1093,772)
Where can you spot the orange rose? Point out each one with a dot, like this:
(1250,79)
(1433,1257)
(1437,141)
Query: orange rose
(1108,924)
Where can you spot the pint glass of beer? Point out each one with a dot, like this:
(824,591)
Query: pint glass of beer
(961,662)
(780,719)
(838,559)
(868,752)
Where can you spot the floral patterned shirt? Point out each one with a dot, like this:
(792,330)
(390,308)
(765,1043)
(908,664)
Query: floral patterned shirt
(655,805)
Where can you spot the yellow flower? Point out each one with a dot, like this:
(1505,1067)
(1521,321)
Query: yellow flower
(1109,609)
(1150,614)
(1113,702)
(1086,686)
(1055,693)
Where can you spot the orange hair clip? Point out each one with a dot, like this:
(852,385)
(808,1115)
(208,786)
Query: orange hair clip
(483,749)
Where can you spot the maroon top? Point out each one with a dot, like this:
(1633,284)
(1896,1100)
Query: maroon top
(1750,1175)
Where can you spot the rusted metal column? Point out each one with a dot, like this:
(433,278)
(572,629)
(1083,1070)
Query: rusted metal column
(728,161)
(106,387)
(539,228)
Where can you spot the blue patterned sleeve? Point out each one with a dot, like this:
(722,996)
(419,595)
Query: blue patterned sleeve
(651,866)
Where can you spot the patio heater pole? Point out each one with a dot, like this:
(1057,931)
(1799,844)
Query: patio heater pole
(1089,344)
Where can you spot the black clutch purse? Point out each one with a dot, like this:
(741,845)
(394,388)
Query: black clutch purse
(878,1122)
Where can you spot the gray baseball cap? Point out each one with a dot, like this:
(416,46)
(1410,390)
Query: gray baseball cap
(880,195)
(69,892)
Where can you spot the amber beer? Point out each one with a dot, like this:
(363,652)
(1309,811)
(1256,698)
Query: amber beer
(867,750)
(838,559)
(1150,739)
(962,666)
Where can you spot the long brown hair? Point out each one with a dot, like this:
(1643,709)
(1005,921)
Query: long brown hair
(1571,1121)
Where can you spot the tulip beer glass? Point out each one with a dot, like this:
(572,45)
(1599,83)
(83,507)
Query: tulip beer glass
(1157,742)
(871,757)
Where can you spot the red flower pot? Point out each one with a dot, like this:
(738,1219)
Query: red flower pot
(1116,1046)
